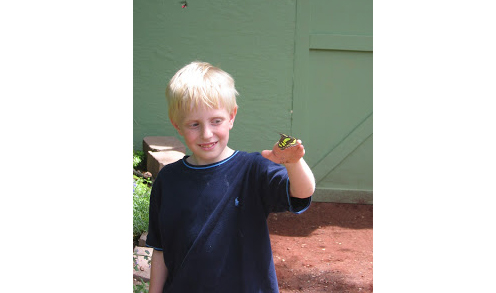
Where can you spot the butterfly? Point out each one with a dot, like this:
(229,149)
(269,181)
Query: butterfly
(286,141)
(184,4)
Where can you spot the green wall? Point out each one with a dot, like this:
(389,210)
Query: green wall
(302,67)
(252,40)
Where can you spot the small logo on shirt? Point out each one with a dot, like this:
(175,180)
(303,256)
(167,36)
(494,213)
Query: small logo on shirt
(236,201)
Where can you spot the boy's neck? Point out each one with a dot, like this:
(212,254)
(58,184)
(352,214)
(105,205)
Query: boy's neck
(225,154)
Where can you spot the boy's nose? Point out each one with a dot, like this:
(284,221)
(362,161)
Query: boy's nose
(206,133)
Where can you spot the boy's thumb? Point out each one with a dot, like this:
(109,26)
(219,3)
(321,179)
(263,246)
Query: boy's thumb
(266,153)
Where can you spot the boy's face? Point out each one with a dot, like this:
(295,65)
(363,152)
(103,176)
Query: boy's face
(206,133)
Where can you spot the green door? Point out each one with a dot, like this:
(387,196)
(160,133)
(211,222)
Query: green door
(332,106)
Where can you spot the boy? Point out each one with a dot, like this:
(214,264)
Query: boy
(208,211)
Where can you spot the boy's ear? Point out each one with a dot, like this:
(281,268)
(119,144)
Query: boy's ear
(176,127)
(232,116)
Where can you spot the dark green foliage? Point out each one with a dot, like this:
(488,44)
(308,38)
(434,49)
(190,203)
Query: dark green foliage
(141,202)
(139,161)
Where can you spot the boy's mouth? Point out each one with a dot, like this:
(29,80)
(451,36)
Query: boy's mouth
(207,146)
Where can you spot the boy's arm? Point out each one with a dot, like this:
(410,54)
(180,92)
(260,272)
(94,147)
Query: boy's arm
(300,175)
(301,178)
(158,273)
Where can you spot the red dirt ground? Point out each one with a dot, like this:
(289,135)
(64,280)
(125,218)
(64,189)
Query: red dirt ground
(328,248)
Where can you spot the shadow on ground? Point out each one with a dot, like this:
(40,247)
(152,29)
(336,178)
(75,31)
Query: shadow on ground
(319,214)
(326,249)
(322,281)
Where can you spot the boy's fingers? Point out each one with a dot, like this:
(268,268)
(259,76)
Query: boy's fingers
(290,155)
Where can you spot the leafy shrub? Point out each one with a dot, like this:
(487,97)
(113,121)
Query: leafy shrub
(139,160)
(140,288)
(141,202)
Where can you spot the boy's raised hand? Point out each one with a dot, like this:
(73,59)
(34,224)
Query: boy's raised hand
(287,156)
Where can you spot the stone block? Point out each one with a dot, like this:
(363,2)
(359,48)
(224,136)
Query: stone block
(142,240)
(142,257)
(160,151)
(155,161)
(162,143)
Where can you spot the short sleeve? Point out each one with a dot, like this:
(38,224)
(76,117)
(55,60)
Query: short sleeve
(153,238)
(274,189)
(299,205)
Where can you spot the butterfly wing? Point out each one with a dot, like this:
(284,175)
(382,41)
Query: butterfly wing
(286,141)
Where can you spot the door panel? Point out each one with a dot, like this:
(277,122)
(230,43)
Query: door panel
(333,106)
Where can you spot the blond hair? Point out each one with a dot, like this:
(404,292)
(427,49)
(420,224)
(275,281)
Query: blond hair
(200,84)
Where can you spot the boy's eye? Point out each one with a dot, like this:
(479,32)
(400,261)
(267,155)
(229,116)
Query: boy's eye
(217,121)
(193,125)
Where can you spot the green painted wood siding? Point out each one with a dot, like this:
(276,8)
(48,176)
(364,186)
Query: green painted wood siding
(252,40)
(333,96)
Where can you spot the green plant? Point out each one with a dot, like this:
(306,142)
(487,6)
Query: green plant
(141,202)
(139,160)
(140,288)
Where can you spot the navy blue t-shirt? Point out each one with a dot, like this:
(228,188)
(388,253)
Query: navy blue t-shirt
(211,223)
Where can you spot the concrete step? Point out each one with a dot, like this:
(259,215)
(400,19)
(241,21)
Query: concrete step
(162,143)
(155,161)
(142,240)
(160,151)
(142,257)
